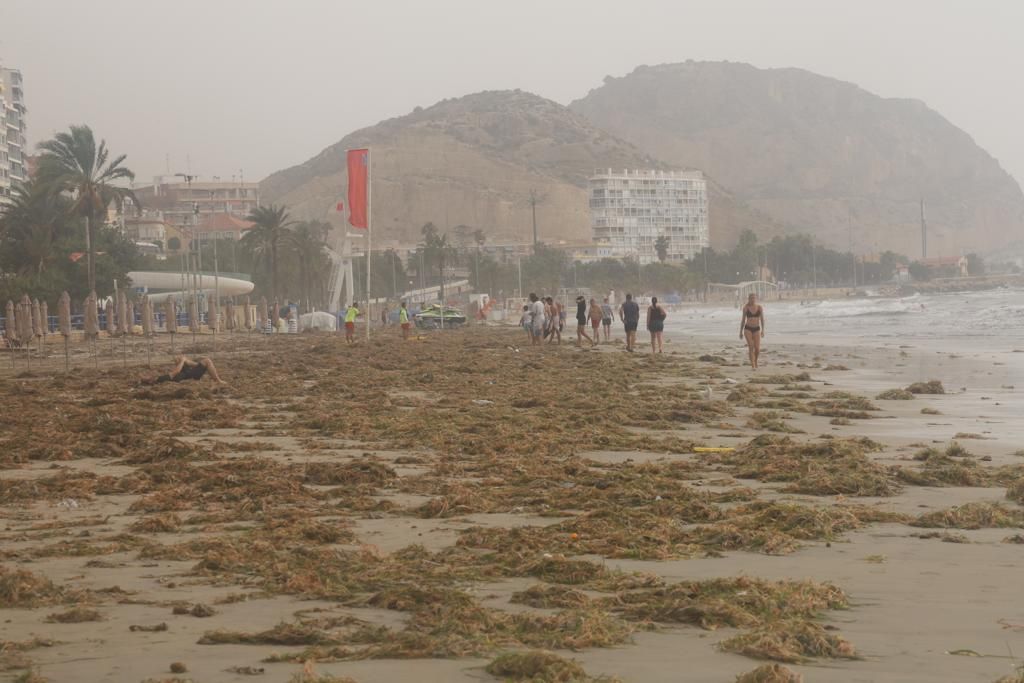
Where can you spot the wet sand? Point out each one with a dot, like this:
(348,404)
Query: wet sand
(912,600)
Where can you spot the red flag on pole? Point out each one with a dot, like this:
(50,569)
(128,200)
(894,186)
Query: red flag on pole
(358,186)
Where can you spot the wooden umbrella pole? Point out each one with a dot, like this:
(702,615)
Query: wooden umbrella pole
(67,357)
(124,350)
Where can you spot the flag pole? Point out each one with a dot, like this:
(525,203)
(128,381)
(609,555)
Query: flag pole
(369,233)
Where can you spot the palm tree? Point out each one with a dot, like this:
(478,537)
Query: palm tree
(271,232)
(310,239)
(30,226)
(72,162)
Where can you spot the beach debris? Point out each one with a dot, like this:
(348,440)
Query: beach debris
(538,666)
(933,386)
(791,642)
(178,668)
(982,515)
(151,628)
(895,395)
(75,615)
(482,402)
(770,673)
(246,670)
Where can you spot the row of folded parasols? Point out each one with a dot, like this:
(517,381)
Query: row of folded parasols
(29,318)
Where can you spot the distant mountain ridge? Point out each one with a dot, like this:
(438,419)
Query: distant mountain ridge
(474,161)
(819,155)
(785,151)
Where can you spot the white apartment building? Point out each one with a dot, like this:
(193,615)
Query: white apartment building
(12,131)
(630,210)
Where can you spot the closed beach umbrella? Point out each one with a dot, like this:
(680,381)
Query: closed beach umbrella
(213,314)
(64,314)
(229,316)
(147,316)
(193,314)
(170,315)
(275,315)
(247,314)
(25,319)
(122,314)
(37,318)
(44,317)
(111,312)
(10,323)
(130,317)
(92,316)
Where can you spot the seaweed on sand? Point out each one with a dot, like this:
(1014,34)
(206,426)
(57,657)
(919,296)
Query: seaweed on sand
(843,404)
(790,641)
(75,615)
(771,421)
(283,633)
(539,667)
(836,466)
(933,386)
(973,516)
(548,597)
(22,588)
(940,469)
(739,602)
(895,395)
(1015,491)
(770,673)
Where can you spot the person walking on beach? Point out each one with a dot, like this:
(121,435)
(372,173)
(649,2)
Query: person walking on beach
(350,322)
(403,320)
(385,313)
(596,315)
(607,315)
(556,317)
(752,328)
(581,322)
(536,319)
(525,323)
(656,324)
(629,314)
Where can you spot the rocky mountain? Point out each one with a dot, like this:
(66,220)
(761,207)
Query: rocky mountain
(817,154)
(474,161)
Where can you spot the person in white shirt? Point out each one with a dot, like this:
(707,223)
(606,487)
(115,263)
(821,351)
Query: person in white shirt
(537,319)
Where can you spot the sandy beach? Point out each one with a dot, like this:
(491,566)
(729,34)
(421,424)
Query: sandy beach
(413,510)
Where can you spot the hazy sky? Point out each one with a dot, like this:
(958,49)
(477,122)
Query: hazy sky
(258,85)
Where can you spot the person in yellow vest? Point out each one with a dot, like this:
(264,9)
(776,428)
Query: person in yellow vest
(403,319)
(350,322)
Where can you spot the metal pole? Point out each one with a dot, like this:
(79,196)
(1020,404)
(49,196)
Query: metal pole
(369,237)
(520,264)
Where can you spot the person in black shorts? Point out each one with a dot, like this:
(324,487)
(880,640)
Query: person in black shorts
(629,314)
(581,322)
(186,369)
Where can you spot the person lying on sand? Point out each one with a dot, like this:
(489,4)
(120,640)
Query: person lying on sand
(185,368)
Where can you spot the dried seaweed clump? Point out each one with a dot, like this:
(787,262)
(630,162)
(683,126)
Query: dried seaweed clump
(75,615)
(791,642)
(283,633)
(895,395)
(22,588)
(973,516)
(537,666)
(548,597)
(774,528)
(1017,677)
(836,466)
(843,404)
(940,469)
(739,602)
(933,386)
(770,673)
(1015,491)
(771,421)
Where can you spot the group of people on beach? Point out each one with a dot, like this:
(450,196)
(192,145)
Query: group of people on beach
(543,320)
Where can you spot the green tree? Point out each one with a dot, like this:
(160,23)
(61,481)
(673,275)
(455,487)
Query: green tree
(270,234)
(308,243)
(73,163)
(438,252)
(661,247)
(31,225)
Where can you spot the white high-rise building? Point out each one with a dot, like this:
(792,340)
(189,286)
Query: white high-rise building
(630,210)
(12,131)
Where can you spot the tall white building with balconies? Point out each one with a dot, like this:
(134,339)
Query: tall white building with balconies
(630,210)
(12,131)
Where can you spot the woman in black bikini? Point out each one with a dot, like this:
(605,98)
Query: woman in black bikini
(752,328)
